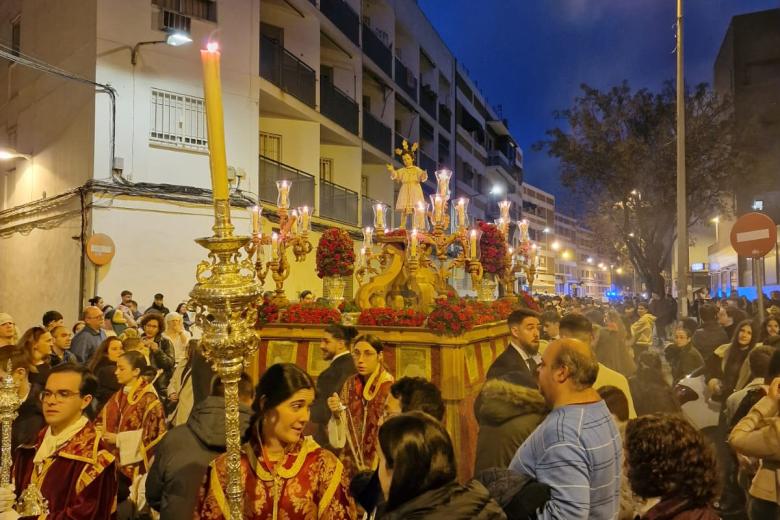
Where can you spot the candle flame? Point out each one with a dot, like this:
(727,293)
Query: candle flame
(212,46)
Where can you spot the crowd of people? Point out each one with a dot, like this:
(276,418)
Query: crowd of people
(122,417)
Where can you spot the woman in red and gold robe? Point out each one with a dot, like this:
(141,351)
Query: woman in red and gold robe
(133,412)
(358,409)
(285,475)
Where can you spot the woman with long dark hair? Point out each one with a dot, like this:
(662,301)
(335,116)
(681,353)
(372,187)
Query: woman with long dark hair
(37,342)
(418,474)
(103,367)
(670,462)
(287,476)
(727,369)
(358,408)
(770,328)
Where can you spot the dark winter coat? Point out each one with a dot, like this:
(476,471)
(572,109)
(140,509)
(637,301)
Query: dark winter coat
(163,359)
(450,502)
(709,337)
(683,360)
(507,415)
(29,421)
(329,381)
(651,393)
(183,456)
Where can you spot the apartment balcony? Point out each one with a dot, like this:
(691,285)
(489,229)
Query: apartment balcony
(405,79)
(497,158)
(445,116)
(301,191)
(338,106)
(344,17)
(428,100)
(287,72)
(338,203)
(375,49)
(376,133)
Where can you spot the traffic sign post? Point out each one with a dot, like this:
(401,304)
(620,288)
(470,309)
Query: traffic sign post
(753,236)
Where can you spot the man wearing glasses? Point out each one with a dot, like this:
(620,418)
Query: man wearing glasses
(68,463)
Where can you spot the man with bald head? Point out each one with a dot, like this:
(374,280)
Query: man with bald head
(576,450)
(88,339)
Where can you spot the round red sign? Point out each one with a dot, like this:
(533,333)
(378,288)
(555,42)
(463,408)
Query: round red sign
(100,249)
(754,235)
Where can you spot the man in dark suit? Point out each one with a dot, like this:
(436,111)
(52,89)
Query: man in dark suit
(522,353)
(335,348)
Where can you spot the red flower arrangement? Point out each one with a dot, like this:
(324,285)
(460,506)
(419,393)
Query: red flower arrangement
(335,254)
(493,248)
(268,312)
(383,316)
(452,316)
(311,314)
(526,300)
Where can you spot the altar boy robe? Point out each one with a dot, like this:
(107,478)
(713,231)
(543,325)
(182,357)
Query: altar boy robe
(137,409)
(79,480)
(309,483)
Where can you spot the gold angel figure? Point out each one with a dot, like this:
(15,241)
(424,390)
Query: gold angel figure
(410,177)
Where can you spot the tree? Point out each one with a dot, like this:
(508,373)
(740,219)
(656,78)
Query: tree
(618,157)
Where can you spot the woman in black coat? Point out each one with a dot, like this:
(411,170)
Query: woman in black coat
(103,366)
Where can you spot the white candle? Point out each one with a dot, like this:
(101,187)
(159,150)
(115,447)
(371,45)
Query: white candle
(368,237)
(283,187)
(413,243)
(461,210)
(438,203)
(379,216)
(305,219)
(256,213)
(274,246)
(419,216)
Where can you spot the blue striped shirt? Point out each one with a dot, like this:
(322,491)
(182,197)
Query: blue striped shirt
(577,451)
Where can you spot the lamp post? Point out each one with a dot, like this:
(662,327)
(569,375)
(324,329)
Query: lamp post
(682,212)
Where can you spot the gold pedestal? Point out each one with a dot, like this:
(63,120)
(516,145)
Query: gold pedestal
(224,300)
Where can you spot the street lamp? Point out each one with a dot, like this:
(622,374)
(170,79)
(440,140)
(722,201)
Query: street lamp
(590,260)
(6,154)
(173,39)
(555,245)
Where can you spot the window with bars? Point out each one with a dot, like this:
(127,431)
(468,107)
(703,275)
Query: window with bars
(178,120)
(203,9)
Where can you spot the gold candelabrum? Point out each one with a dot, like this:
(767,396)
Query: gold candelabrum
(226,293)
(9,404)
(293,234)
(419,260)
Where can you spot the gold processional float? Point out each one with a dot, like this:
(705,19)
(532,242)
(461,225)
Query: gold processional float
(410,270)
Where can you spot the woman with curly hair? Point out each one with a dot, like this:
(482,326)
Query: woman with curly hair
(672,466)
(161,351)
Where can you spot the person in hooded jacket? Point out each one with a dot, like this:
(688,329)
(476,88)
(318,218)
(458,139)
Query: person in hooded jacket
(418,474)
(510,409)
(184,454)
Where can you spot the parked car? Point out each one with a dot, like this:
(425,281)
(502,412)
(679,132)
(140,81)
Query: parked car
(694,398)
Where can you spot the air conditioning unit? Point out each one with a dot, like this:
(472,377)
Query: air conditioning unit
(170,21)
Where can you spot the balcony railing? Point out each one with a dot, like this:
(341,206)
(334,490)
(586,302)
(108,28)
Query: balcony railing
(377,133)
(377,50)
(287,72)
(497,158)
(367,211)
(343,16)
(301,192)
(427,163)
(405,79)
(338,106)
(445,116)
(338,203)
(428,100)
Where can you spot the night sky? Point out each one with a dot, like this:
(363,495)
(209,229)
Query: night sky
(530,56)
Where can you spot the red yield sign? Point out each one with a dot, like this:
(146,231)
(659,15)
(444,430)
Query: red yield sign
(753,235)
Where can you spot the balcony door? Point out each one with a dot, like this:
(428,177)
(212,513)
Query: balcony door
(271,146)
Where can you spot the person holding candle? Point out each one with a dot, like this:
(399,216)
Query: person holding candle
(286,475)
(358,408)
(410,177)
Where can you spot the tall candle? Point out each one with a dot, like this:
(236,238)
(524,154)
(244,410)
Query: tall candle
(473,244)
(368,237)
(256,212)
(283,187)
(304,213)
(362,257)
(460,207)
(438,203)
(212,93)
(443,186)
(294,222)
(419,215)
(503,207)
(379,216)
(274,246)
(413,243)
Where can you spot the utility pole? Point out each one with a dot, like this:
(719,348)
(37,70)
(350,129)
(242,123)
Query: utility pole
(682,213)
